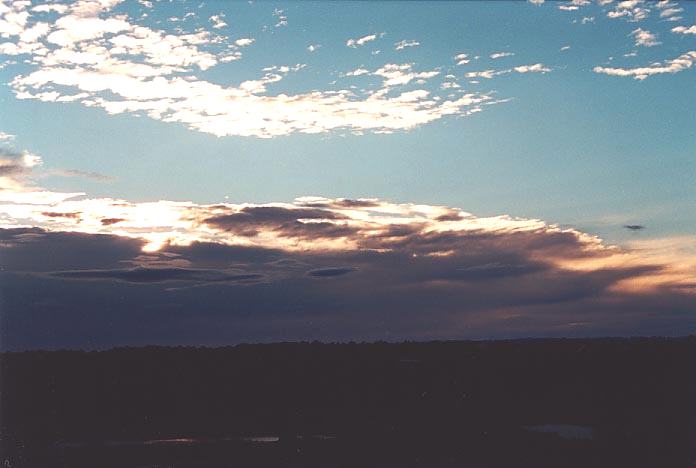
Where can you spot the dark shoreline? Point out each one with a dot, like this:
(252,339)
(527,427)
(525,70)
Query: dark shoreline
(513,403)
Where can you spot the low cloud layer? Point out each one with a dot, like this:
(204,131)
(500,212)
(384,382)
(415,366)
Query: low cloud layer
(99,272)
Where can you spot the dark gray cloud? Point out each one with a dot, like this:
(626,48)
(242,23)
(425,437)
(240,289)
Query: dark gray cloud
(61,289)
(342,203)
(15,164)
(331,272)
(159,275)
(284,222)
(634,227)
(37,250)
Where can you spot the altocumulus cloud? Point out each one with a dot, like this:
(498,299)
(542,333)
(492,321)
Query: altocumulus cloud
(84,52)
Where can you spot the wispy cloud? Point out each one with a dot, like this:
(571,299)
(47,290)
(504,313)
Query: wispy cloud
(361,41)
(281,18)
(533,68)
(402,74)
(78,173)
(681,63)
(406,43)
(497,55)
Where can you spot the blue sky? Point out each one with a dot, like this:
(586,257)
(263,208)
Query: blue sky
(570,146)
(579,113)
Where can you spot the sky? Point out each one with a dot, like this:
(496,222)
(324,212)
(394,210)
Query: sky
(209,172)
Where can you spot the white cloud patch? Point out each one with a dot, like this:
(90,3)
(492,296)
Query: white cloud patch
(358,72)
(684,30)
(564,48)
(462,59)
(681,63)
(669,11)
(630,10)
(313,47)
(218,21)
(5,137)
(644,38)
(488,74)
(402,74)
(406,43)
(244,42)
(574,5)
(497,55)
(535,68)
(361,41)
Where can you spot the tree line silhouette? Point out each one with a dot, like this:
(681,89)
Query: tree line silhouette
(498,403)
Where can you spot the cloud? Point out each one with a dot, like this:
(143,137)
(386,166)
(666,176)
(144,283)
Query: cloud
(244,42)
(77,173)
(564,48)
(488,74)
(681,63)
(669,10)
(497,55)
(634,227)
(358,72)
(16,168)
(218,21)
(354,268)
(361,41)
(644,38)
(281,19)
(630,10)
(461,59)
(97,58)
(684,29)
(330,272)
(574,5)
(304,223)
(402,74)
(159,275)
(6,137)
(313,47)
(535,68)
(406,43)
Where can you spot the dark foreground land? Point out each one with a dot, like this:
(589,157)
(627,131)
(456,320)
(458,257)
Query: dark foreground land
(541,403)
